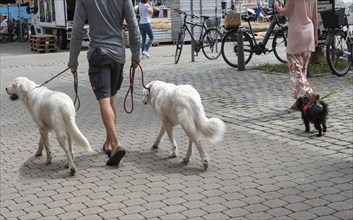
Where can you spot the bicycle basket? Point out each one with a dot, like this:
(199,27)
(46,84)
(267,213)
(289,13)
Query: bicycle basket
(333,18)
(213,21)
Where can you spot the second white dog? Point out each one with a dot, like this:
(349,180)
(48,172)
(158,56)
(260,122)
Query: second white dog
(51,110)
(181,104)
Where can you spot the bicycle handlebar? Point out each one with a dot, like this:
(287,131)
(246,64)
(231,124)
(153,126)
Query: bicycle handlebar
(182,12)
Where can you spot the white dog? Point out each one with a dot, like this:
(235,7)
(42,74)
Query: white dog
(51,110)
(182,105)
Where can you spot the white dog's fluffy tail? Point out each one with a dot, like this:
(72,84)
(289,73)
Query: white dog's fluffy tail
(74,132)
(78,138)
(211,128)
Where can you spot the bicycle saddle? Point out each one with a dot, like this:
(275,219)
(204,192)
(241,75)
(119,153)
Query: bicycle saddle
(249,18)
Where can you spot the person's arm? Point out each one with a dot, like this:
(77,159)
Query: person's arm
(315,23)
(151,8)
(77,35)
(134,33)
(286,11)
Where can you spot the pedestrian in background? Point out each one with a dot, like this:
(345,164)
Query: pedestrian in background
(302,40)
(106,57)
(3,25)
(146,12)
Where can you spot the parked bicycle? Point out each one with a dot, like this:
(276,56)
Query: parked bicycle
(16,32)
(209,40)
(230,42)
(339,44)
(14,29)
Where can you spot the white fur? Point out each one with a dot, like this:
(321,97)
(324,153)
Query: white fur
(50,110)
(181,104)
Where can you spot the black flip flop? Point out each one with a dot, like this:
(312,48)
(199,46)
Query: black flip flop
(108,152)
(115,158)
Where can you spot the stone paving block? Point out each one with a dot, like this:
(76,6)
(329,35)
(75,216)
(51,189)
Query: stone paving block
(70,215)
(321,211)
(153,213)
(173,216)
(194,213)
(31,215)
(344,214)
(132,217)
(90,217)
(52,212)
(259,215)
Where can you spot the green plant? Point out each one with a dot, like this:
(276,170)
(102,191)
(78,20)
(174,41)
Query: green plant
(317,68)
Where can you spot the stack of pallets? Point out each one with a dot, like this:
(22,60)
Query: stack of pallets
(43,43)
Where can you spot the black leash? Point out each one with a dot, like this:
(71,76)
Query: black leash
(77,99)
(54,77)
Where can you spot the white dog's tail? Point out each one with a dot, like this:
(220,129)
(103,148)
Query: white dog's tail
(74,132)
(77,137)
(211,128)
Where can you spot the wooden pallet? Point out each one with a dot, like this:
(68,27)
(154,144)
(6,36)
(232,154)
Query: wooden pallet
(43,46)
(43,50)
(43,43)
(42,37)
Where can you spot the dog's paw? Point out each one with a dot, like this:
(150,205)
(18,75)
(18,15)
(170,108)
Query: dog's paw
(72,171)
(318,135)
(48,162)
(38,154)
(66,165)
(154,146)
(205,164)
(185,160)
(173,155)
(307,130)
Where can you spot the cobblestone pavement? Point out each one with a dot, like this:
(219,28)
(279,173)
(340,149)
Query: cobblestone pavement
(266,167)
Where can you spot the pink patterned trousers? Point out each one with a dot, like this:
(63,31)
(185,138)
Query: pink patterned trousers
(298,65)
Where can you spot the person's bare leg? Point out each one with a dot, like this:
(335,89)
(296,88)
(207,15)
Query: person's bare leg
(108,113)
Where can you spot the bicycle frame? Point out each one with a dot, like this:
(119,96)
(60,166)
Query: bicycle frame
(260,47)
(193,24)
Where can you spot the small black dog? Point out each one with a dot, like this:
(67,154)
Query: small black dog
(315,112)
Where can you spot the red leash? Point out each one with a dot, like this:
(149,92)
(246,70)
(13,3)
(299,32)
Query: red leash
(131,88)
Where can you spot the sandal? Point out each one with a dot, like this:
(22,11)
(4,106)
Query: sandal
(108,152)
(115,158)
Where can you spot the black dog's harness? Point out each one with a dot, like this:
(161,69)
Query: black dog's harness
(131,88)
(305,109)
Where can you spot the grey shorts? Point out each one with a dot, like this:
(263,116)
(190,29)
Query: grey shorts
(105,75)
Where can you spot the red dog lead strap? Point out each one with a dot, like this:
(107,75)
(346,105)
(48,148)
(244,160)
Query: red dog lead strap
(131,87)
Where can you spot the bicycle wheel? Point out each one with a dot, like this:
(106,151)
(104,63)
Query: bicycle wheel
(25,33)
(229,48)
(279,45)
(211,43)
(14,35)
(338,53)
(179,45)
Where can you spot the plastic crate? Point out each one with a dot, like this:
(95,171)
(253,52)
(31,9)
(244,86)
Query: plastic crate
(333,18)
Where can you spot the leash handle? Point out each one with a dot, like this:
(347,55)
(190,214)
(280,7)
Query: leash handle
(131,87)
(77,99)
